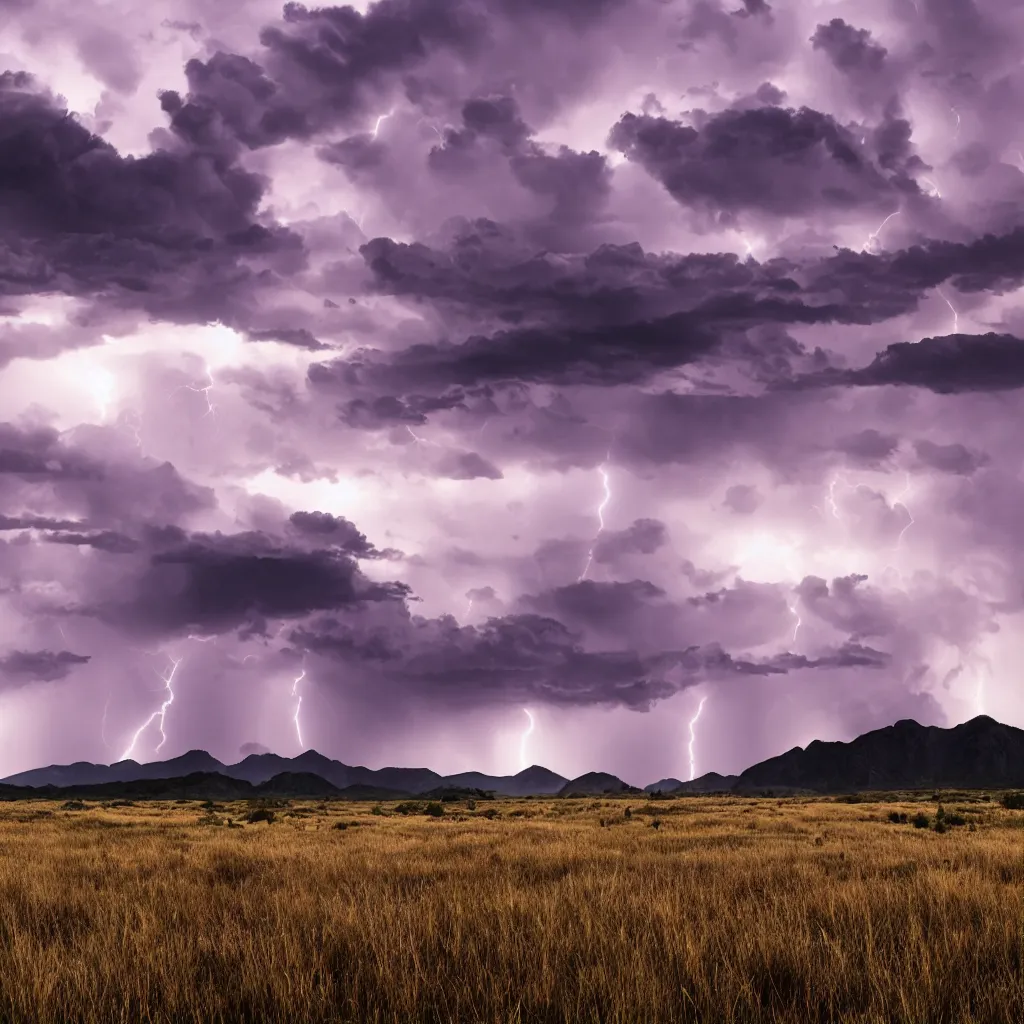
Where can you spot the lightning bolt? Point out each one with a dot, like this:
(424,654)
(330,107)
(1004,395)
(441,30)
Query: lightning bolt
(900,500)
(693,737)
(380,121)
(298,707)
(469,609)
(902,504)
(871,244)
(159,715)
(600,518)
(956,114)
(524,763)
(103,721)
(128,417)
(933,189)
(206,390)
(101,384)
(796,615)
(421,440)
(956,317)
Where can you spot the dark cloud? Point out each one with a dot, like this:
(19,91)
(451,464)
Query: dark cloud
(850,49)
(215,583)
(528,657)
(21,668)
(742,499)
(868,446)
(300,337)
(108,541)
(771,159)
(641,537)
(467,466)
(324,528)
(174,232)
(948,365)
(950,458)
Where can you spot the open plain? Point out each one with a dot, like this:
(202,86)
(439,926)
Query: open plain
(690,909)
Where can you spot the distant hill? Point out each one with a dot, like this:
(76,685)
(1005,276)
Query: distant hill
(596,784)
(532,781)
(664,786)
(712,782)
(257,769)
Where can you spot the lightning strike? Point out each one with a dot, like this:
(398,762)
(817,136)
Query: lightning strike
(159,715)
(933,190)
(298,707)
(693,737)
(956,316)
(103,721)
(956,114)
(871,245)
(206,391)
(379,122)
(421,440)
(523,761)
(469,609)
(600,518)
(101,384)
(902,504)
(133,421)
(796,615)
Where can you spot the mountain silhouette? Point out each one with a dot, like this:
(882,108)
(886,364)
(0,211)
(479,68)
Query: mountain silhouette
(258,769)
(664,786)
(712,782)
(596,784)
(979,754)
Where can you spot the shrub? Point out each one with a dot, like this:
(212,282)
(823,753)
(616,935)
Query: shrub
(340,825)
(894,817)
(656,823)
(260,814)
(470,805)
(921,820)
(627,813)
(1012,801)
(955,819)
(72,805)
(940,825)
(407,807)
(434,809)
(377,809)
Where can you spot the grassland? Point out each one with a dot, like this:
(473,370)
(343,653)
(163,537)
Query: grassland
(565,910)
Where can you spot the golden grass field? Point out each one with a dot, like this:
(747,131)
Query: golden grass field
(731,910)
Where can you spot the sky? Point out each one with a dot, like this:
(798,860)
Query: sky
(619,385)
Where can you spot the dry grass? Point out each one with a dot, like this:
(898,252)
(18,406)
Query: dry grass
(731,910)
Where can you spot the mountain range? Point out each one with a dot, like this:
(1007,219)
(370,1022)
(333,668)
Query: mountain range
(981,753)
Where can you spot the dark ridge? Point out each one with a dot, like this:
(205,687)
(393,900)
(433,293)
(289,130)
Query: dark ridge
(979,754)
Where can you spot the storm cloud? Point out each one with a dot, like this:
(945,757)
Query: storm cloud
(440,362)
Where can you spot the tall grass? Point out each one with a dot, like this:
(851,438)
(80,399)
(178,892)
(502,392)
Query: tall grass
(731,910)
